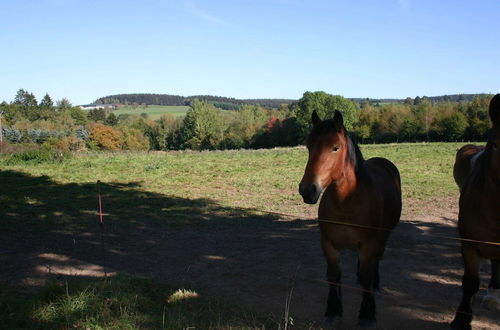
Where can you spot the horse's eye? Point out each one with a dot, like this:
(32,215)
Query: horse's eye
(335,149)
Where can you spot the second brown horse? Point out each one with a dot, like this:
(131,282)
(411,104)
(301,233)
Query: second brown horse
(477,173)
(359,208)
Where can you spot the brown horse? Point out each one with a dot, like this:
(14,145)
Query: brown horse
(477,173)
(360,206)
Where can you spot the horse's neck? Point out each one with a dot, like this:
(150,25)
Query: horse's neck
(346,186)
(483,173)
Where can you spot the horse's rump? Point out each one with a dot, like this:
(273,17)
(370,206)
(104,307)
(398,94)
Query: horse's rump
(463,164)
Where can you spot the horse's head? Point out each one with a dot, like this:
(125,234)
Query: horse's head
(494,140)
(328,149)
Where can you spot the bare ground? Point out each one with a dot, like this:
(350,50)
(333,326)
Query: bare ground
(257,260)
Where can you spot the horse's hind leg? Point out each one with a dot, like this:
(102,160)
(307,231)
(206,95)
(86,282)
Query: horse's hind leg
(376,279)
(333,274)
(470,286)
(367,267)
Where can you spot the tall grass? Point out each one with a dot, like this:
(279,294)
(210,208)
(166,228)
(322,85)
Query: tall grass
(120,302)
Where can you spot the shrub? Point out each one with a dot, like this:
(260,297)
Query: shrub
(82,133)
(106,137)
(41,155)
(70,143)
(12,134)
(134,139)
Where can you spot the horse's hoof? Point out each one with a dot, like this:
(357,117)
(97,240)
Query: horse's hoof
(365,323)
(492,299)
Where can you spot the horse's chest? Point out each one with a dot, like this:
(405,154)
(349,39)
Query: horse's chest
(342,236)
(344,229)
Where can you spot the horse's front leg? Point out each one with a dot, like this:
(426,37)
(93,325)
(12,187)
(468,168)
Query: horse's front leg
(333,275)
(367,268)
(470,285)
(495,274)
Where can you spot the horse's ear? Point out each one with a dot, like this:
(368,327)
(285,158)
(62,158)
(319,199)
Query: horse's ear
(495,110)
(338,119)
(315,118)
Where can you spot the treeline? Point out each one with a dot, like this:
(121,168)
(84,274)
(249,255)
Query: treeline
(424,120)
(226,103)
(418,99)
(206,126)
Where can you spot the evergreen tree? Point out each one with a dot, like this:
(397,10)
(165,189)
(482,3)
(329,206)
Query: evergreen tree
(111,120)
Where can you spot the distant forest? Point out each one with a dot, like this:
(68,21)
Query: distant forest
(229,103)
(225,103)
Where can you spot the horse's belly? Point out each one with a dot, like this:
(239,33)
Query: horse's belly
(481,227)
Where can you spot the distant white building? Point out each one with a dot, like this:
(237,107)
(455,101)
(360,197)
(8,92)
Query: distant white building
(97,106)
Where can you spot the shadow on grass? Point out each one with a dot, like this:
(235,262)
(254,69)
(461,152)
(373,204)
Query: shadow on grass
(50,232)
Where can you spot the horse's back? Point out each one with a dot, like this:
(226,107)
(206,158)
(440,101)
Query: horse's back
(385,170)
(387,182)
(463,163)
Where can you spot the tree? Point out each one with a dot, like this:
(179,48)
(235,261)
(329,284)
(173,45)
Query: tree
(46,106)
(111,120)
(202,126)
(46,102)
(476,112)
(325,105)
(63,104)
(78,115)
(97,115)
(453,126)
(28,104)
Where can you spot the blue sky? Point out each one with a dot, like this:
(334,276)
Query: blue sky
(85,49)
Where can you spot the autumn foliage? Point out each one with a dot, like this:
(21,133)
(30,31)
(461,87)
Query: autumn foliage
(106,137)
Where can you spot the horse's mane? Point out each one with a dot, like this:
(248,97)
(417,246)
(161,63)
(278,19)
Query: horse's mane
(480,171)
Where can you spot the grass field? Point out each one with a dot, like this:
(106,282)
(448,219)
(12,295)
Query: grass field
(169,191)
(264,178)
(153,111)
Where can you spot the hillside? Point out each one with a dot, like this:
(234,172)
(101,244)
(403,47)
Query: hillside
(229,103)
(226,103)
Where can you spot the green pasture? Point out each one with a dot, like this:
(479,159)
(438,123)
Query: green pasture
(153,111)
(170,190)
(263,179)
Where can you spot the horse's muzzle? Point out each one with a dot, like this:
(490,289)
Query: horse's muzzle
(310,192)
